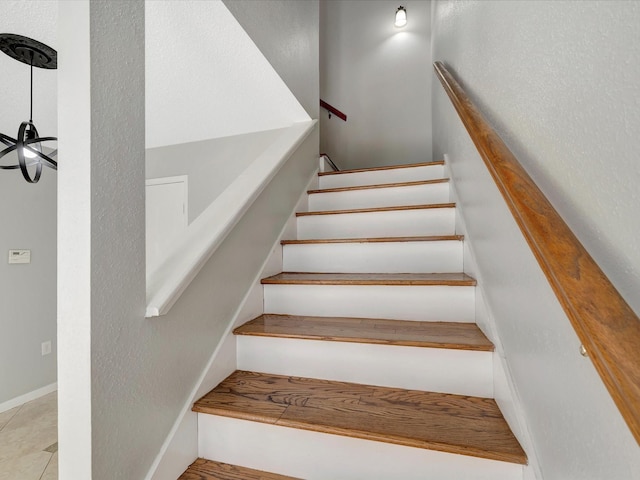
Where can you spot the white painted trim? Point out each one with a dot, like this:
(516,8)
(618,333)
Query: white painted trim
(169,463)
(166,283)
(485,321)
(175,179)
(323,456)
(376,177)
(163,180)
(400,257)
(27,397)
(460,372)
(438,303)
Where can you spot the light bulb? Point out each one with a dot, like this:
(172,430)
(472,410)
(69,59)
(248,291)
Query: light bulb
(28,153)
(401,17)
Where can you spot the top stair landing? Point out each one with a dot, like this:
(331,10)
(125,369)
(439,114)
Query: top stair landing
(382,175)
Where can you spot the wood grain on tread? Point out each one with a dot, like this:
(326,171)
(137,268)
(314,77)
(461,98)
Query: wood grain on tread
(605,323)
(389,167)
(444,422)
(461,336)
(378,209)
(294,278)
(432,238)
(381,185)
(203,469)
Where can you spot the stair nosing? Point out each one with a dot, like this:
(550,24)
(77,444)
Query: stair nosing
(428,206)
(378,186)
(449,345)
(388,167)
(399,440)
(204,469)
(390,279)
(425,238)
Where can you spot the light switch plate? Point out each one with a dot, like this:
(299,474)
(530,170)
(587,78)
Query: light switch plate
(19,256)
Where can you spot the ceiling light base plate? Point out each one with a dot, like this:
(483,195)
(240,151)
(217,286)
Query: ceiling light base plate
(24,49)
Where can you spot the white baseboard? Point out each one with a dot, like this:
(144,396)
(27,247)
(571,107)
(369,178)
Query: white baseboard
(505,391)
(27,397)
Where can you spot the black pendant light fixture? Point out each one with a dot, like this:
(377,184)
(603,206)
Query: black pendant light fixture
(28,145)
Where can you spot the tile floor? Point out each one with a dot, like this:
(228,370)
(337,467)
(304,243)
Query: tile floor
(28,440)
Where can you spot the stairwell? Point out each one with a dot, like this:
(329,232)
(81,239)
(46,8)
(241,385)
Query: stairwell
(367,362)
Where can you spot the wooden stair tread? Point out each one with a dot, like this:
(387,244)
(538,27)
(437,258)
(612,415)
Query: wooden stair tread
(378,209)
(203,469)
(431,238)
(295,278)
(379,185)
(444,422)
(462,336)
(389,167)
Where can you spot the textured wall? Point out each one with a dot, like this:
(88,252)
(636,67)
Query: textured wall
(292,49)
(28,216)
(558,80)
(124,379)
(378,75)
(106,429)
(210,164)
(205,78)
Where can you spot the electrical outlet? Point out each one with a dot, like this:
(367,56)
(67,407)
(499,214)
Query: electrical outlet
(46,347)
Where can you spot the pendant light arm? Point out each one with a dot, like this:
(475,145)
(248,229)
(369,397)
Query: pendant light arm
(31,91)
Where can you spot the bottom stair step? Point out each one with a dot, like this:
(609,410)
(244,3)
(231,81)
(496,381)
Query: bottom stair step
(448,423)
(203,469)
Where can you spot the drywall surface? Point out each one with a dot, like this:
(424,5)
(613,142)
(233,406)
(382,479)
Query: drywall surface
(188,334)
(378,75)
(104,425)
(124,379)
(28,214)
(205,78)
(210,164)
(558,82)
(286,33)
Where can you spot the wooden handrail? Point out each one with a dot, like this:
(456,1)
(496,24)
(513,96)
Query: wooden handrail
(606,325)
(333,110)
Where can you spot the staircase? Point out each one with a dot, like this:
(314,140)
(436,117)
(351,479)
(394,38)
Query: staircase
(366,362)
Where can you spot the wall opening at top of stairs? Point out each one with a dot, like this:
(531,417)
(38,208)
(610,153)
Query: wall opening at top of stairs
(380,76)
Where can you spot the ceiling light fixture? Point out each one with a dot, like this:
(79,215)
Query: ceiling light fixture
(401,17)
(28,145)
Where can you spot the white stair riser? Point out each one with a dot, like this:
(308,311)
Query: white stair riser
(398,223)
(431,369)
(320,456)
(377,177)
(374,257)
(380,197)
(429,303)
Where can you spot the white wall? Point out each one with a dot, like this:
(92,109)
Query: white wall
(28,214)
(210,164)
(558,80)
(124,379)
(205,78)
(106,429)
(378,75)
(290,48)
(189,333)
